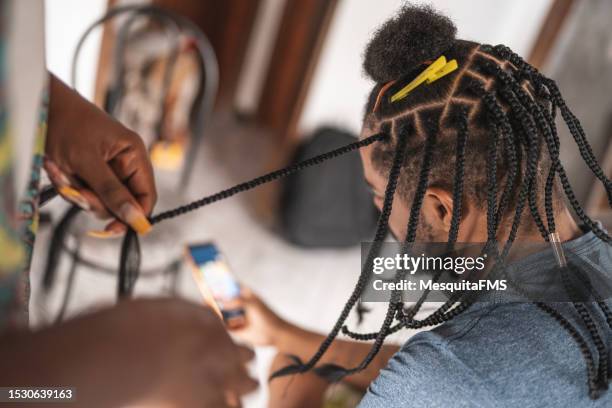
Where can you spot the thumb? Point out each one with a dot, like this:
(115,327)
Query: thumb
(115,196)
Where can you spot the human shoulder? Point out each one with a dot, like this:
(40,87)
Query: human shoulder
(437,367)
(426,372)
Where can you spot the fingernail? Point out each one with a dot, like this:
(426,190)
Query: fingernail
(55,172)
(75,197)
(63,179)
(103,234)
(135,218)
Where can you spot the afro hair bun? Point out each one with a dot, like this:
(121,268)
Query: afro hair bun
(416,34)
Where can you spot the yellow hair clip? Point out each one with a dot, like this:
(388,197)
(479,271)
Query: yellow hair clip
(446,69)
(435,71)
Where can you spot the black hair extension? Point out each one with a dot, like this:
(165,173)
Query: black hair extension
(606,310)
(552,142)
(533,207)
(531,164)
(583,312)
(492,185)
(457,198)
(550,137)
(248,185)
(381,231)
(602,350)
(582,344)
(442,315)
(130,253)
(580,138)
(462,135)
(55,246)
(531,133)
(570,119)
(129,264)
(335,372)
(361,311)
(569,193)
(585,315)
(501,122)
(549,130)
(415,210)
(509,144)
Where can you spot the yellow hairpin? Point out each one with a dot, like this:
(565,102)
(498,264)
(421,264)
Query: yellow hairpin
(435,71)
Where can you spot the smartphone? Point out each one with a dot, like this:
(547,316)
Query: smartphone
(216,283)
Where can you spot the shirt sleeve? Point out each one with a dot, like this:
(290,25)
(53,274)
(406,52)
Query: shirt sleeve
(425,373)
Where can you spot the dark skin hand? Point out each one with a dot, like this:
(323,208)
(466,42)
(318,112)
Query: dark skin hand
(97,163)
(161,352)
(153,353)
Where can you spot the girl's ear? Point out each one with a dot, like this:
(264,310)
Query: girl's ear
(438,205)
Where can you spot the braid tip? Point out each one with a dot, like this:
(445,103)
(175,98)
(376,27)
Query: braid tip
(332,372)
(297,368)
(555,243)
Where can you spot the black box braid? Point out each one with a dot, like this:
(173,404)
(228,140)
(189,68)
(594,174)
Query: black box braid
(583,312)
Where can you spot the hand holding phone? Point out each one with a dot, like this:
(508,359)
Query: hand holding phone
(216,283)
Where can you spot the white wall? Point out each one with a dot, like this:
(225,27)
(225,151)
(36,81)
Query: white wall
(258,55)
(339,90)
(65,21)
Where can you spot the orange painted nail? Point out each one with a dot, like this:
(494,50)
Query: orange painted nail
(135,218)
(55,173)
(75,197)
(103,234)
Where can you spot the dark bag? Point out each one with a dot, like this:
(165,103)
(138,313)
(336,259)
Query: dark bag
(329,205)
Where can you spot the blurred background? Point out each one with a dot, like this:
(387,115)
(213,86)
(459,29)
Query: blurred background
(248,86)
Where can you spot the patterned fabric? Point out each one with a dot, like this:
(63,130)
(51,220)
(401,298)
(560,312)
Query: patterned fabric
(18,210)
(28,208)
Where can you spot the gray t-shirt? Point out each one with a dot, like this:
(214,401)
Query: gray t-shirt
(499,355)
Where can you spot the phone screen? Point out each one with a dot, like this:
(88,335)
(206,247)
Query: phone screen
(216,282)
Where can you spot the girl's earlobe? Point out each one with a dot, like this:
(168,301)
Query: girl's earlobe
(445,216)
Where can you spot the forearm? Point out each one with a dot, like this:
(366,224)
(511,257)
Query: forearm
(303,343)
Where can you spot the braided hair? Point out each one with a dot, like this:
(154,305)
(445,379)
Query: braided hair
(496,112)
